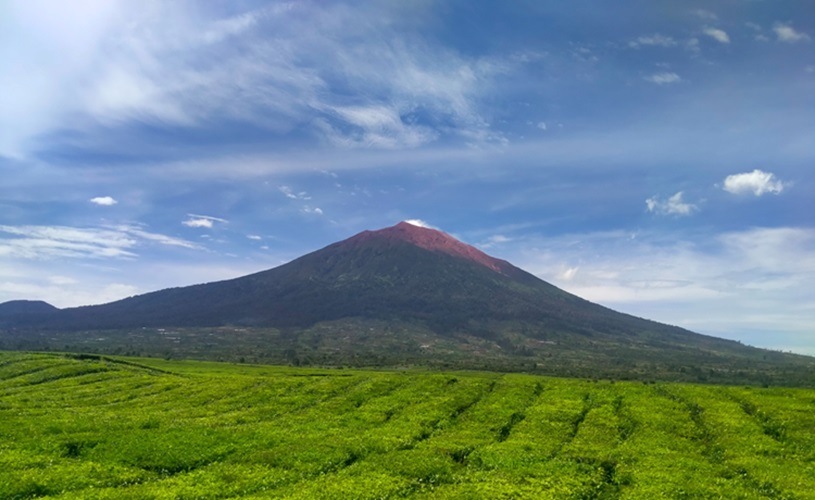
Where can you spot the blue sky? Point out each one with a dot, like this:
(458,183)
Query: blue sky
(655,157)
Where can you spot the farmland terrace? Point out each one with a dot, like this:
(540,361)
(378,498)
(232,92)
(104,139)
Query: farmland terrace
(90,426)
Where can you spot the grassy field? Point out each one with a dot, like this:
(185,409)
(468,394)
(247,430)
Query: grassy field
(97,427)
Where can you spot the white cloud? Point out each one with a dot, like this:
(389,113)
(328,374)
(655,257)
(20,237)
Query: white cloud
(287,191)
(254,237)
(664,78)
(672,206)
(757,182)
(202,221)
(655,40)
(420,223)
(208,217)
(786,33)
(568,274)
(103,200)
(717,34)
(542,125)
(313,210)
(198,222)
(49,242)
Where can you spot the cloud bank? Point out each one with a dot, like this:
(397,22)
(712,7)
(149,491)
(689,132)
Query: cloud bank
(753,285)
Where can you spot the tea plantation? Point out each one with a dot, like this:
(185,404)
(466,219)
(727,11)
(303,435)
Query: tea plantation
(93,427)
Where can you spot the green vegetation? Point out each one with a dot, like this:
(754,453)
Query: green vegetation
(88,426)
(365,343)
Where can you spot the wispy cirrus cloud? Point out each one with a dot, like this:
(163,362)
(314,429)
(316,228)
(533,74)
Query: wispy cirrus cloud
(169,65)
(49,242)
(289,193)
(376,126)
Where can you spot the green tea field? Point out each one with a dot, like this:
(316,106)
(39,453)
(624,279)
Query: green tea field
(91,427)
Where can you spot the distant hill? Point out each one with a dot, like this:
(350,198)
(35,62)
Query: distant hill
(421,290)
(25,307)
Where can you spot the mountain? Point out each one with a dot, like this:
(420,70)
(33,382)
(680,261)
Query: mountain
(404,272)
(400,293)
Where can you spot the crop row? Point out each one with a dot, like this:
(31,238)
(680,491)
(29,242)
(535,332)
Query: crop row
(94,427)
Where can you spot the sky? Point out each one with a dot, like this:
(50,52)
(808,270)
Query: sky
(656,157)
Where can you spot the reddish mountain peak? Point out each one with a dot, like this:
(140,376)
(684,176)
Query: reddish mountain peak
(433,240)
